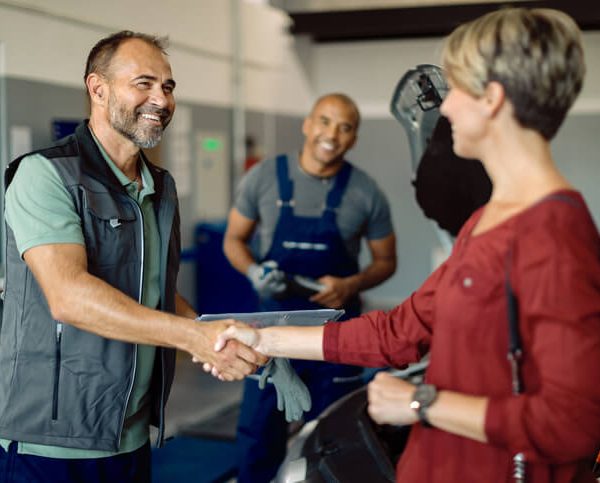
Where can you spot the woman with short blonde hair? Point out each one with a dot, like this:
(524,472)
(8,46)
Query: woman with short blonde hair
(523,279)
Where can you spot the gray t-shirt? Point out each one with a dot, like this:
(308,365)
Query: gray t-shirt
(363,212)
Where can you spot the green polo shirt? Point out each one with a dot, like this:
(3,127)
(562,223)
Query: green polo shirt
(40,211)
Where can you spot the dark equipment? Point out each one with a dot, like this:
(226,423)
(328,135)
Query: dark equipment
(348,446)
(345,445)
(448,188)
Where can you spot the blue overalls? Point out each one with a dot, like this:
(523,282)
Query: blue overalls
(312,247)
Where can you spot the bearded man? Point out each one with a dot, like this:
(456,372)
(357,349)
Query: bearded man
(91,316)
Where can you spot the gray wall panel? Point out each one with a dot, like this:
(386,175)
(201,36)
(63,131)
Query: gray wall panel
(577,153)
(382,151)
(288,134)
(36,104)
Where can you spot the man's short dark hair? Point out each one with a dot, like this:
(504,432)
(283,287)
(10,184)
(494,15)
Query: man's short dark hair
(100,56)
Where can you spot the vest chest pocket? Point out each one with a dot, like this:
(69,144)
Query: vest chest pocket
(112,229)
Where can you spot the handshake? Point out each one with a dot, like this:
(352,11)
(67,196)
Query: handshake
(240,348)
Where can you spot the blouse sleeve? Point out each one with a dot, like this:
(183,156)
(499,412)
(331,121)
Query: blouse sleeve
(556,272)
(378,339)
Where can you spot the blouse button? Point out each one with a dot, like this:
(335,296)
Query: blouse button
(467,282)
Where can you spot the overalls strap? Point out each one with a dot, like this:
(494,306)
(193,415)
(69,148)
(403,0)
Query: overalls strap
(286,189)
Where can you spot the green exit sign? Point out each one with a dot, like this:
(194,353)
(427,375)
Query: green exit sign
(212,144)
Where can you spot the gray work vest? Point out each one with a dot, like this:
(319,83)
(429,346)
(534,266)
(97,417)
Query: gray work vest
(60,385)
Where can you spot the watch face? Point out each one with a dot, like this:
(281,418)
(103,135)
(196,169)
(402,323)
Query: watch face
(424,395)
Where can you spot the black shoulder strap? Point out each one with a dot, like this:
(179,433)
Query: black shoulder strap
(515,348)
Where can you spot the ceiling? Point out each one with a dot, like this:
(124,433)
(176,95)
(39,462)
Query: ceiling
(351,20)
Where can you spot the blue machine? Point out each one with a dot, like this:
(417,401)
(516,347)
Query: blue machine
(219,287)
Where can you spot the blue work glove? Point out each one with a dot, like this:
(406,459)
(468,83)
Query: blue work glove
(266,279)
(292,393)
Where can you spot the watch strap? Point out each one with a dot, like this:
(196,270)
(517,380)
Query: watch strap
(423,397)
(422,413)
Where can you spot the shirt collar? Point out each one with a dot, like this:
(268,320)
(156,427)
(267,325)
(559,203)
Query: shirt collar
(147,180)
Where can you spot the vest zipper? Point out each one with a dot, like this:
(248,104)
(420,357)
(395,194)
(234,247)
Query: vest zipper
(135,347)
(164,263)
(161,418)
(57,359)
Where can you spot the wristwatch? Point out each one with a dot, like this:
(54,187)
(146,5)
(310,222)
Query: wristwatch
(423,397)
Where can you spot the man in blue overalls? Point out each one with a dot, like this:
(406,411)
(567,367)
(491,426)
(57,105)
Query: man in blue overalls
(311,211)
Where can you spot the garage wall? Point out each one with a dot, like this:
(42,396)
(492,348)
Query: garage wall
(45,45)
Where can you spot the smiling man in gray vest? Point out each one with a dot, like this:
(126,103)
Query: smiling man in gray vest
(91,314)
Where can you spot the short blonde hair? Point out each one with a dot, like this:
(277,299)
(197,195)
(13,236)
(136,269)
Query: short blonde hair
(536,54)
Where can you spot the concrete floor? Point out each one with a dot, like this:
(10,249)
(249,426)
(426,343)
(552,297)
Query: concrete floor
(197,399)
(197,396)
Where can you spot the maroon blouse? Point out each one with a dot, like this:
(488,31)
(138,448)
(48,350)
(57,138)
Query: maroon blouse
(552,251)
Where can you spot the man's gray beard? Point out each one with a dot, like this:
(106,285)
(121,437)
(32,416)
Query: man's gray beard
(148,142)
(126,124)
(145,140)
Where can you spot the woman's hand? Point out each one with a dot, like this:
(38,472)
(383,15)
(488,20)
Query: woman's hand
(296,342)
(241,332)
(389,400)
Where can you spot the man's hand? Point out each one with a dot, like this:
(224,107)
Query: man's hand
(337,291)
(233,362)
(389,400)
(236,334)
(266,278)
